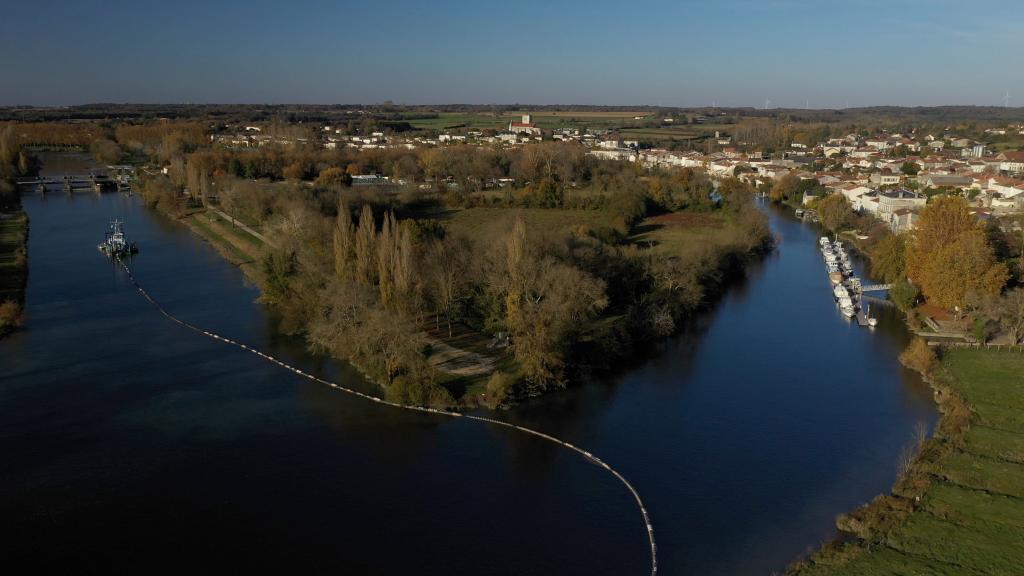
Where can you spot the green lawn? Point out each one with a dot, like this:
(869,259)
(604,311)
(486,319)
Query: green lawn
(971,516)
(679,232)
(227,248)
(490,223)
(664,133)
(1011,143)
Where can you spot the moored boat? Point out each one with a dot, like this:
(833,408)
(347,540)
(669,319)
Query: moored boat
(116,244)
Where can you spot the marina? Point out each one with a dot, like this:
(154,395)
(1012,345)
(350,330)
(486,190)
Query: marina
(847,289)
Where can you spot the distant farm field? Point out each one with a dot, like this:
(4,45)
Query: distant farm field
(547,119)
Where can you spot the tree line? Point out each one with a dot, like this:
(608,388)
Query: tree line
(363,272)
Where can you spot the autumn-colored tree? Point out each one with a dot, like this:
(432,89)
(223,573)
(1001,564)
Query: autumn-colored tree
(785,188)
(333,177)
(919,356)
(889,258)
(950,256)
(735,193)
(297,170)
(545,301)
(834,211)
(967,264)
(105,150)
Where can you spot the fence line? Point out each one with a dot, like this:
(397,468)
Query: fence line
(979,345)
(587,455)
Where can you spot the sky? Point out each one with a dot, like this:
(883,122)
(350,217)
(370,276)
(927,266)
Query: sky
(797,53)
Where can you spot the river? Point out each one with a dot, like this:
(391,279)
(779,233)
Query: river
(131,444)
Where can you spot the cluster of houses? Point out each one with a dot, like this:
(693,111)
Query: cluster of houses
(888,175)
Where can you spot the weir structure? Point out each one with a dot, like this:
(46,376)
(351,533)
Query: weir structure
(648,527)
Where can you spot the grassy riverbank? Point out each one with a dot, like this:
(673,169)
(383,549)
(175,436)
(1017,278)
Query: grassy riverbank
(959,509)
(13,268)
(230,241)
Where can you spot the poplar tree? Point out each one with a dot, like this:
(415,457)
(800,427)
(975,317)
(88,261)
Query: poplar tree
(385,259)
(403,264)
(344,233)
(364,246)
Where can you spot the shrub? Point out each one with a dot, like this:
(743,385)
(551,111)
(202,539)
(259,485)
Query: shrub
(10,316)
(904,295)
(983,329)
(500,388)
(919,356)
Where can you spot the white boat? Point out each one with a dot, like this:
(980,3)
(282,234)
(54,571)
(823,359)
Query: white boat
(848,311)
(840,292)
(872,322)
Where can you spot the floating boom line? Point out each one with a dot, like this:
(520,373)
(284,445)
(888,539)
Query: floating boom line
(648,527)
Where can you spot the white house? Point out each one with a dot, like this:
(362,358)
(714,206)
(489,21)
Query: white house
(1011,161)
(889,201)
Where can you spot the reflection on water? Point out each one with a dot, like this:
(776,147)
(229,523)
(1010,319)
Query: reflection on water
(127,439)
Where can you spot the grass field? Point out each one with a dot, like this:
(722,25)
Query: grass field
(1013,143)
(548,120)
(681,233)
(665,133)
(625,123)
(491,223)
(970,519)
(237,246)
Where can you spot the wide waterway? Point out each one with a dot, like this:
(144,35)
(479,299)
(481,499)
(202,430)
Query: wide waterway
(132,444)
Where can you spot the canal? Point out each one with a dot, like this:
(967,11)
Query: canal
(130,443)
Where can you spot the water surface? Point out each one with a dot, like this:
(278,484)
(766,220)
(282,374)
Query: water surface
(130,443)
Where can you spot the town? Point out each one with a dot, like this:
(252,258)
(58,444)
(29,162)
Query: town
(442,288)
(887,174)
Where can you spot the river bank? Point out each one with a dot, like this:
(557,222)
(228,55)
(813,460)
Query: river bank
(937,516)
(202,443)
(603,343)
(13,268)
(960,505)
(231,242)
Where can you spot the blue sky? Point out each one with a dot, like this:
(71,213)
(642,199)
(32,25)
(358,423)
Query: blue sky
(736,53)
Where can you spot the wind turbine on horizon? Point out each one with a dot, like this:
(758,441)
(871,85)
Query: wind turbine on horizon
(1006,100)
(767,102)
